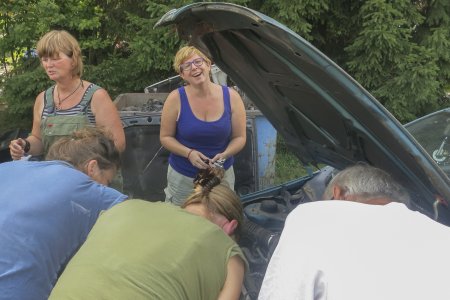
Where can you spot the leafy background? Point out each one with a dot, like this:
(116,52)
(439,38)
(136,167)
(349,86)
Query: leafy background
(398,50)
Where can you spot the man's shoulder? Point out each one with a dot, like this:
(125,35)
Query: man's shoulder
(309,207)
(318,212)
(32,164)
(341,205)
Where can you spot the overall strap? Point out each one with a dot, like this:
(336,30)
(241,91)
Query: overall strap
(87,97)
(48,98)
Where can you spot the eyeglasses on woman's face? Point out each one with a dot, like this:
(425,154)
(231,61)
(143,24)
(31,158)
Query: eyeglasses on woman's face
(198,62)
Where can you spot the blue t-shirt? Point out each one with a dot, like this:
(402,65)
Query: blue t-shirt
(47,209)
(208,138)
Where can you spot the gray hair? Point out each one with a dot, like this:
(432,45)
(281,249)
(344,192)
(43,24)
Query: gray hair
(365,182)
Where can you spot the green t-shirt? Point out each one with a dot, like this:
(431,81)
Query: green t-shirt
(145,250)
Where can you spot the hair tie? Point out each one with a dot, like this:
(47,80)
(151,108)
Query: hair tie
(208,178)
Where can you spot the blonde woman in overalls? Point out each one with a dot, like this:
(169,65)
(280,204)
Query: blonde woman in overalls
(70,104)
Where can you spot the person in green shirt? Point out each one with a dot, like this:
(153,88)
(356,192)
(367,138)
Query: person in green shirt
(146,250)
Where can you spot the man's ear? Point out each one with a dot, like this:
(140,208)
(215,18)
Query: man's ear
(338,193)
(230,226)
(92,168)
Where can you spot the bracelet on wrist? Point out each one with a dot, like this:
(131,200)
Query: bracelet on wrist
(189,153)
(27,146)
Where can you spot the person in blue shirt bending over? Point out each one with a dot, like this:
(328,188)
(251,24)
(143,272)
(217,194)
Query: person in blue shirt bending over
(48,208)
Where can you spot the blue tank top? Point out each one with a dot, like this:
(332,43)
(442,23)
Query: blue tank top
(208,138)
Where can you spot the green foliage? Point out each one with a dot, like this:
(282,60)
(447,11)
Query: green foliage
(297,15)
(397,61)
(435,35)
(415,81)
(287,165)
(398,50)
(19,92)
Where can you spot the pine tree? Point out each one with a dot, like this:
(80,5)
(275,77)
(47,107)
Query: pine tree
(388,60)
(434,34)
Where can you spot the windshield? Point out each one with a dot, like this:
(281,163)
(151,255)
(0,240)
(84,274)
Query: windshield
(433,133)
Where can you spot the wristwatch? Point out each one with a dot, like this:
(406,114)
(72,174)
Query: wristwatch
(27,146)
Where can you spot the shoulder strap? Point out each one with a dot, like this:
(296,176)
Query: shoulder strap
(48,98)
(184,103)
(226,99)
(87,97)
(182,93)
(185,107)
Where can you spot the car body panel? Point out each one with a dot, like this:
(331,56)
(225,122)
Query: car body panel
(323,114)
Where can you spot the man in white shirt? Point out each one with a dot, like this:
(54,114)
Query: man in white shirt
(368,247)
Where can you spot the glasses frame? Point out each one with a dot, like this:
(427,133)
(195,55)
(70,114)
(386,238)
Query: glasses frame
(187,66)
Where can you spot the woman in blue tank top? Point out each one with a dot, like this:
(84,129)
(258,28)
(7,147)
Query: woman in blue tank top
(201,123)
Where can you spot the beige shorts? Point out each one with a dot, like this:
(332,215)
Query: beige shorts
(180,187)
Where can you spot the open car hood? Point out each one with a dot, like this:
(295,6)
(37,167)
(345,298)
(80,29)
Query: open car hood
(323,114)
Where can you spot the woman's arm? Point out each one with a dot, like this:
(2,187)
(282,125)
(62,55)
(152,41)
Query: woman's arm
(169,116)
(107,116)
(233,282)
(16,147)
(238,127)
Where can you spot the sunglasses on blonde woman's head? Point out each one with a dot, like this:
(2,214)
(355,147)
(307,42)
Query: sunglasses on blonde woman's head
(198,62)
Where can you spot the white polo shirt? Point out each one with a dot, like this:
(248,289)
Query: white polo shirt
(342,250)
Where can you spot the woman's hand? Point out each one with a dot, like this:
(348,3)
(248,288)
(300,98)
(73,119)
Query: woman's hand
(218,157)
(16,148)
(197,159)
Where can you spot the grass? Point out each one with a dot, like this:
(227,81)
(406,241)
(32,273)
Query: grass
(287,165)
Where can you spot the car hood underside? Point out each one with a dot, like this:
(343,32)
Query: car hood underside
(323,114)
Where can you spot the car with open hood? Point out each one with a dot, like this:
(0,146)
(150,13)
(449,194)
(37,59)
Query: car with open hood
(325,117)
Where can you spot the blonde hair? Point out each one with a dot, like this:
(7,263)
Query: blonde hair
(56,41)
(89,143)
(217,197)
(186,52)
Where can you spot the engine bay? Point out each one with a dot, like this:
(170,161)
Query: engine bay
(265,213)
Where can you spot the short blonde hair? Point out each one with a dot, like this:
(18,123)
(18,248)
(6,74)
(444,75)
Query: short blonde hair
(186,52)
(56,41)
